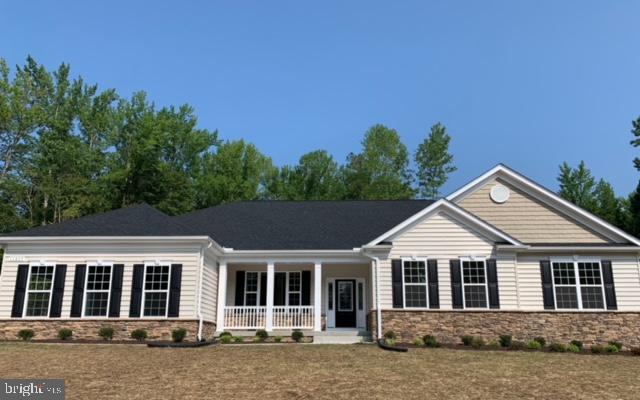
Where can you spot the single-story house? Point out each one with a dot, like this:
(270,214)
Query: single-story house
(501,255)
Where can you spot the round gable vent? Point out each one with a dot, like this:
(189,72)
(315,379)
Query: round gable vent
(499,193)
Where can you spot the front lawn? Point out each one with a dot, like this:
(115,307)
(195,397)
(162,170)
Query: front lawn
(320,371)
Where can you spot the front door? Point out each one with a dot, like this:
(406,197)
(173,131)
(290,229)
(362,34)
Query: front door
(345,303)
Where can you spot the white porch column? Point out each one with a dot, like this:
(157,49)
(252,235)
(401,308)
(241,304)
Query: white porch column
(222,295)
(270,293)
(317,297)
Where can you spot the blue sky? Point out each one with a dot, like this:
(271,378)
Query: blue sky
(530,84)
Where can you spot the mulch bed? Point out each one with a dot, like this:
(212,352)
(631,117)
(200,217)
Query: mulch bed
(407,346)
(178,345)
(79,341)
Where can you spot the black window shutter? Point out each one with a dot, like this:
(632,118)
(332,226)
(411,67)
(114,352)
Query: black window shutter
(492,279)
(58,291)
(263,288)
(306,288)
(396,279)
(78,290)
(456,284)
(432,275)
(280,289)
(136,291)
(116,291)
(609,287)
(174,290)
(547,285)
(21,287)
(239,288)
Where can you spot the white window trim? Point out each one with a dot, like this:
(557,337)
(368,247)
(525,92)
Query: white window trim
(575,261)
(257,291)
(426,283)
(27,290)
(486,282)
(86,281)
(144,290)
(286,302)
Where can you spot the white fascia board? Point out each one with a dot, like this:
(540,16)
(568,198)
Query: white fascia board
(572,249)
(288,256)
(545,195)
(104,239)
(444,205)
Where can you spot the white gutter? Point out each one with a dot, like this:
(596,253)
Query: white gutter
(376,262)
(200,317)
(534,249)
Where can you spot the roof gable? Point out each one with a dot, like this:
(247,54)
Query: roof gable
(452,210)
(572,223)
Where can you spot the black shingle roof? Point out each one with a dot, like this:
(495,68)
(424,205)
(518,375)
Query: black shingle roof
(139,220)
(297,225)
(252,225)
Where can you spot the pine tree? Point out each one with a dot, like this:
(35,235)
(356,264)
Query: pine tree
(434,162)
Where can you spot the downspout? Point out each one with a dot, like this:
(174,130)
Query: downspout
(200,317)
(376,263)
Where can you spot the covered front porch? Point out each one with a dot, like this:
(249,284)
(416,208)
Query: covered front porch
(283,296)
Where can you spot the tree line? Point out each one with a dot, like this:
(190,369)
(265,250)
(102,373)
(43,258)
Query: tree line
(69,149)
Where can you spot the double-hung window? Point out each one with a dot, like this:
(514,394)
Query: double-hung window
(414,274)
(294,288)
(39,290)
(474,283)
(578,284)
(252,288)
(97,290)
(156,289)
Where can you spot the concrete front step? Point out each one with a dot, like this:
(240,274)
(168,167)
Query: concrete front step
(342,336)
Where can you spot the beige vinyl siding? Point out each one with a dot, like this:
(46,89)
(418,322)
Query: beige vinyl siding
(128,255)
(526,218)
(507,281)
(626,278)
(209,288)
(438,237)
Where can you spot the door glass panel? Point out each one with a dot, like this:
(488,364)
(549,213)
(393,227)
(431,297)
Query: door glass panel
(330,296)
(345,296)
(360,296)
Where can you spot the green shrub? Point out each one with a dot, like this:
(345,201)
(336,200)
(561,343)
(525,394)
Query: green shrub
(430,341)
(226,339)
(558,347)
(611,348)
(577,343)
(225,333)
(534,345)
(389,335)
(278,339)
(65,333)
(495,344)
(262,335)
(297,335)
(238,339)
(573,348)
(518,345)
(390,342)
(477,342)
(541,340)
(139,334)
(505,340)
(616,344)
(598,349)
(106,332)
(26,334)
(466,340)
(418,342)
(178,335)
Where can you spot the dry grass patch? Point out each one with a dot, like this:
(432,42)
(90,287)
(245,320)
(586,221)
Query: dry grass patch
(317,371)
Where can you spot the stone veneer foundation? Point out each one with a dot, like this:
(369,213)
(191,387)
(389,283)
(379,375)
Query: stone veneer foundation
(88,329)
(588,327)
